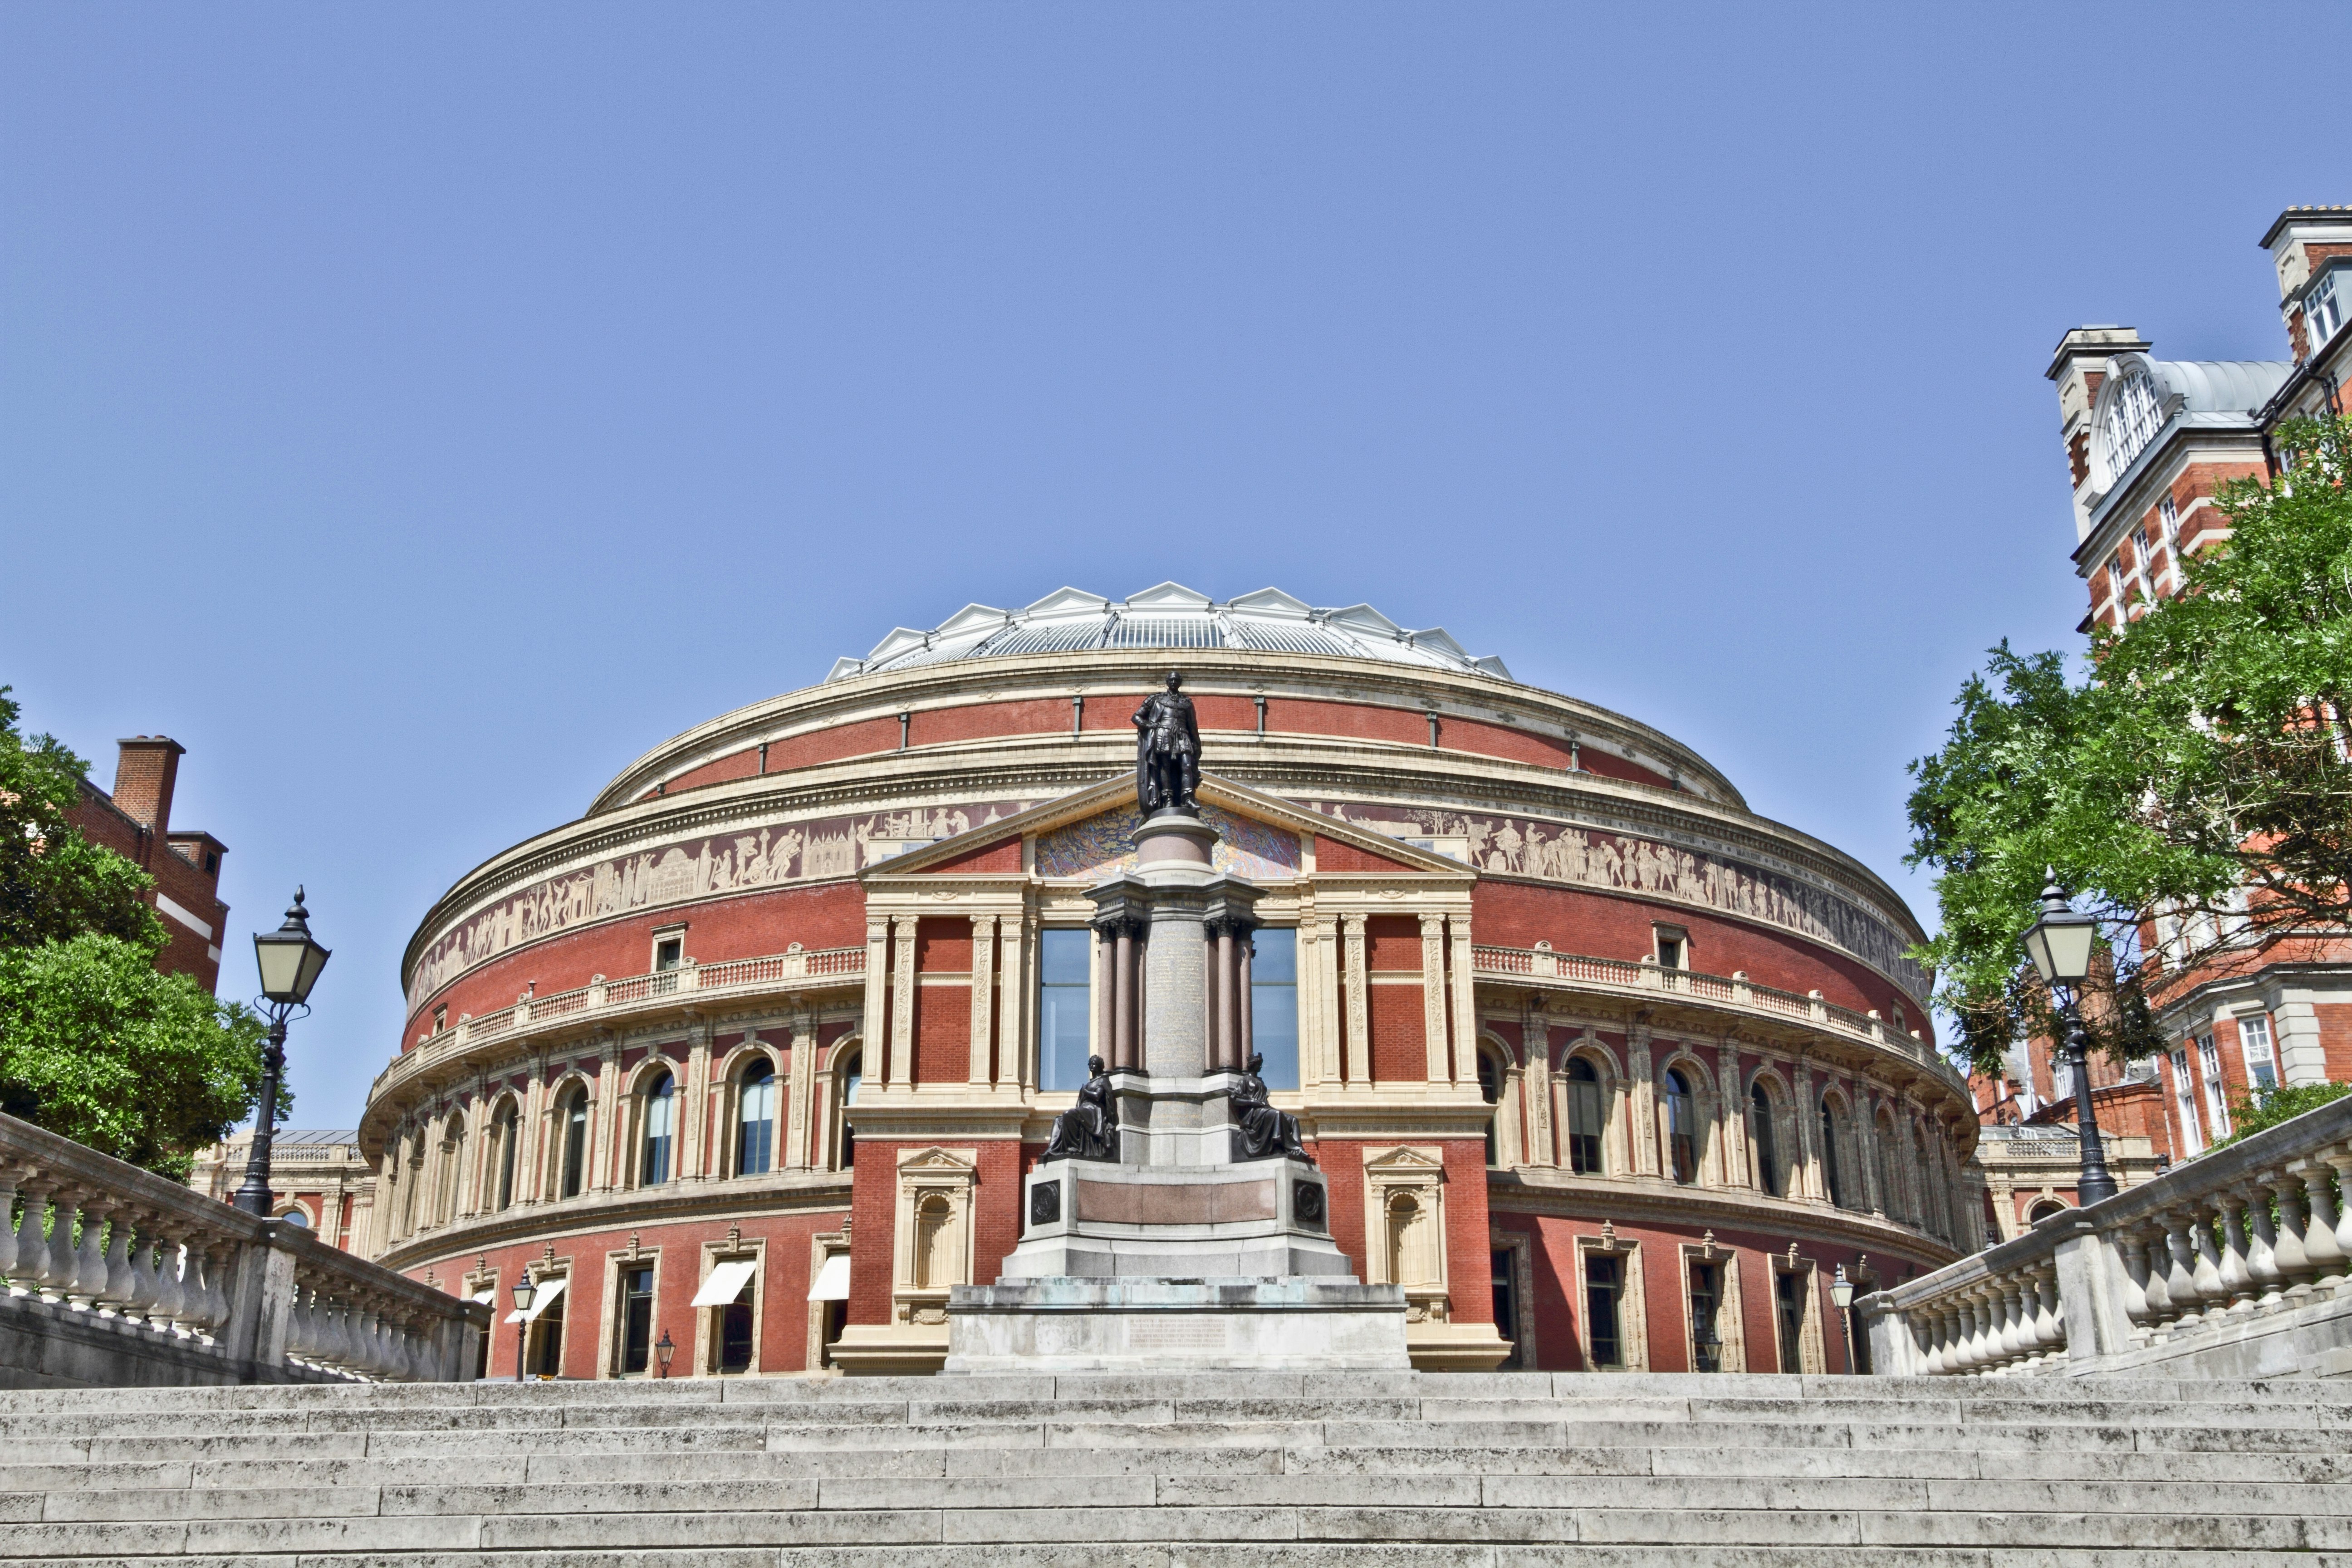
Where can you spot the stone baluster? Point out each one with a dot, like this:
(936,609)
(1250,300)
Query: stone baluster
(2340,1160)
(2211,1294)
(139,1261)
(2265,1278)
(2008,1323)
(8,1175)
(62,1261)
(1961,1321)
(2325,1254)
(2237,1273)
(2294,1223)
(2182,1293)
(346,1345)
(171,1302)
(2143,1303)
(302,1336)
(119,1285)
(2050,1314)
(30,1249)
(1984,1337)
(1937,1358)
(89,1255)
(216,1287)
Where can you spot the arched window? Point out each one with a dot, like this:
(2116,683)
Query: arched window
(853,1073)
(1409,1258)
(755,1136)
(1830,1176)
(453,1170)
(1583,1118)
(934,1233)
(2134,417)
(2042,1210)
(573,1115)
(1681,1128)
(1760,1135)
(661,1120)
(503,1128)
(297,1216)
(1490,1090)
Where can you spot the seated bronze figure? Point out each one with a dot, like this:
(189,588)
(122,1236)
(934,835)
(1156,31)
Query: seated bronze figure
(1086,1130)
(1260,1132)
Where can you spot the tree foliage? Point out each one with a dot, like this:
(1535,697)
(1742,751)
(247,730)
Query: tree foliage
(2193,778)
(94,1044)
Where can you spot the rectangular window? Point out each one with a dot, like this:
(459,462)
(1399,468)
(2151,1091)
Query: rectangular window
(440,1018)
(669,953)
(1273,1005)
(2184,1095)
(1507,1300)
(1064,1003)
(1788,1302)
(2168,515)
(2116,580)
(1706,1308)
(2320,312)
(2262,1056)
(2217,1103)
(546,1331)
(1604,1283)
(1670,952)
(636,1319)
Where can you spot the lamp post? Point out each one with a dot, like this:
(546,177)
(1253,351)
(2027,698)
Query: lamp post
(1841,1298)
(289,959)
(663,1351)
(523,1292)
(2060,946)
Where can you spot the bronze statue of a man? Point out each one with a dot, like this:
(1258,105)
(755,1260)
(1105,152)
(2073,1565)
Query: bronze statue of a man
(1167,752)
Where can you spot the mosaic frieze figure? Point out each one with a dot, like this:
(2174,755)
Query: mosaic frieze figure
(1260,1132)
(1167,752)
(1086,1131)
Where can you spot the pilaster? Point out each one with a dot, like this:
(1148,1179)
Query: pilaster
(1643,1091)
(902,1002)
(1434,1007)
(1731,1109)
(695,1139)
(799,1101)
(1808,1112)
(980,1069)
(1356,1065)
(1462,974)
(1535,1050)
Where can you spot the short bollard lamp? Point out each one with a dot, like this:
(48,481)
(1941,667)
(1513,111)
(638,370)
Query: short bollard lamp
(289,959)
(2060,945)
(1841,1298)
(524,1291)
(663,1351)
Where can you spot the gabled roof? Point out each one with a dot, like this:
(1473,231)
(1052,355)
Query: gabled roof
(1168,616)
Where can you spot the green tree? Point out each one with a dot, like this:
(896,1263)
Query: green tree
(2193,778)
(94,1044)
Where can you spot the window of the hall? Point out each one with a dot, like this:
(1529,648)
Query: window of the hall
(573,1115)
(755,1128)
(1604,1284)
(636,1319)
(1788,1313)
(1064,995)
(661,1125)
(1681,1128)
(1759,1137)
(1706,1315)
(1274,1004)
(1832,1173)
(504,1127)
(1584,1116)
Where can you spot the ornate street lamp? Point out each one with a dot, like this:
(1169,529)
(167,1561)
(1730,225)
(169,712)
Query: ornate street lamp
(663,1351)
(2060,946)
(289,959)
(1841,1298)
(524,1291)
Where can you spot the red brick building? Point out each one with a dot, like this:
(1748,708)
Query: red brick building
(2148,442)
(136,822)
(1602,1068)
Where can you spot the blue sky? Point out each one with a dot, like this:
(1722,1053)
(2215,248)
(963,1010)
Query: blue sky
(419,412)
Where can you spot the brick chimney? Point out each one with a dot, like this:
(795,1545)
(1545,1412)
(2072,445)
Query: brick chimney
(145,770)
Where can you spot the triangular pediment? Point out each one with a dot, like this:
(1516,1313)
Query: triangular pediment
(1087,833)
(1403,1161)
(934,1161)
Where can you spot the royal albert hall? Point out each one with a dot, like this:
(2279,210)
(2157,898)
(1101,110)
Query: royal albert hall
(746,1066)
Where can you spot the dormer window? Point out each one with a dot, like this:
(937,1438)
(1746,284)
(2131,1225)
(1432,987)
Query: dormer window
(2321,315)
(2168,516)
(2134,417)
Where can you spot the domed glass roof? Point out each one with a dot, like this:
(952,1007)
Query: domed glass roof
(1170,617)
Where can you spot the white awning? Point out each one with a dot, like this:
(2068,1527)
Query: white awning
(832,1283)
(486,1295)
(541,1300)
(726,1283)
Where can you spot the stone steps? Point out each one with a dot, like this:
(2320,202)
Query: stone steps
(1339,1470)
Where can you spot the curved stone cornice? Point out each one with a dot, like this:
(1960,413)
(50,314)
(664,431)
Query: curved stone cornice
(1654,1201)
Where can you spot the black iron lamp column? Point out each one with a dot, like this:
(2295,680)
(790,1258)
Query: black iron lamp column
(289,959)
(524,1291)
(2060,945)
(1841,1298)
(664,1351)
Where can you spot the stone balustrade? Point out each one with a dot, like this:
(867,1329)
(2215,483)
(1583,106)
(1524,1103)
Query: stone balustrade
(603,1004)
(118,1277)
(2233,1264)
(1735,993)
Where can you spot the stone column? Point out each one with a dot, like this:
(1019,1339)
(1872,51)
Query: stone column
(1322,976)
(1642,1090)
(1225,989)
(1248,1042)
(1125,1049)
(800,1101)
(1808,1112)
(1462,976)
(1866,1149)
(870,1026)
(1731,1108)
(1434,1008)
(902,1002)
(1014,991)
(1535,1050)
(981,1067)
(1357,1063)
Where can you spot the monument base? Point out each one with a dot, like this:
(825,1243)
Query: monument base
(1176,1325)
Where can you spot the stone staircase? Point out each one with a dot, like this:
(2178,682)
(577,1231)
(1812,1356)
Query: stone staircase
(1201,1470)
